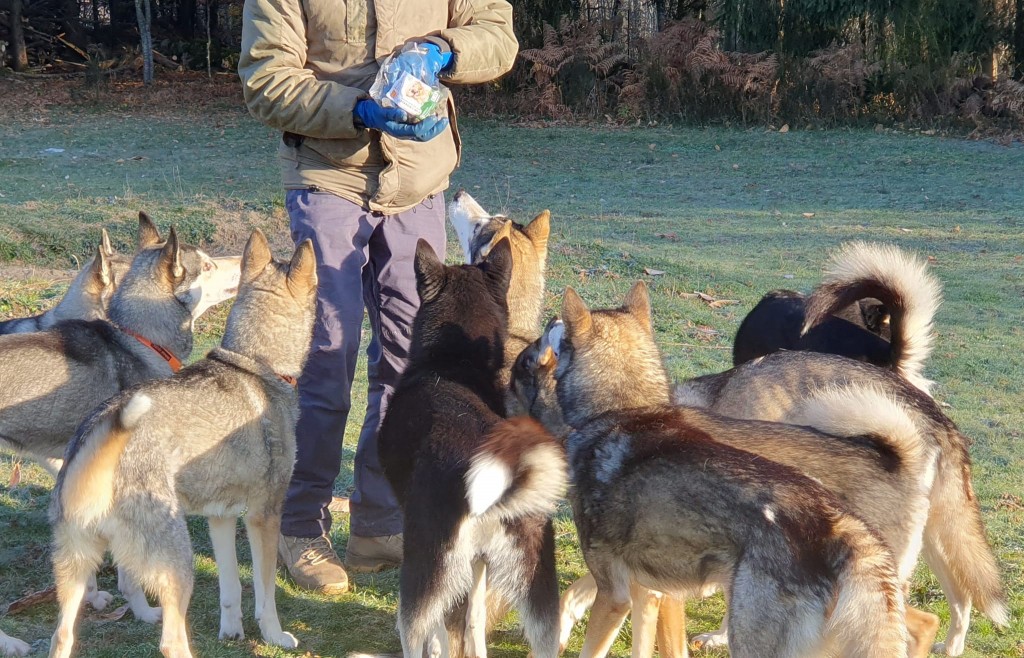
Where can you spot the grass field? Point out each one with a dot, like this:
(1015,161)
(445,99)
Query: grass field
(729,213)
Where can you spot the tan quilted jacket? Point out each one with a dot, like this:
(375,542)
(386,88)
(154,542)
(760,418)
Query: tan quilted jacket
(305,63)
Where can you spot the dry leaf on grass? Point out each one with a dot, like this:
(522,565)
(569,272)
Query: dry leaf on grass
(808,215)
(113,615)
(33,599)
(1010,501)
(651,272)
(15,476)
(668,236)
(711,301)
(784,128)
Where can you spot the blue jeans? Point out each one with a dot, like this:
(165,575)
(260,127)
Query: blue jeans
(364,260)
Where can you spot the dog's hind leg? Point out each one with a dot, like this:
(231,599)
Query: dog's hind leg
(222,536)
(573,605)
(644,615)
(175,593)
(263,532)
(610,609)
(476,613)
(672,628)
(136,596)
(539,607)
(76,556)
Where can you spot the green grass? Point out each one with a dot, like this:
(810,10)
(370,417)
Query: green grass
(718,211)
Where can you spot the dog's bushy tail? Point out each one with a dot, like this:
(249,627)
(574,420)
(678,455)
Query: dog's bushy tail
(899,280)
(955,537)
(85,488)
(519,470)
(868,618)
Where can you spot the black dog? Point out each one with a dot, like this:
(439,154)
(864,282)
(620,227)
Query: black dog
(477,490)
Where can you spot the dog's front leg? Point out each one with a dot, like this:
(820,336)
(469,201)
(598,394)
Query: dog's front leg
(672,628)
(222,535)
(476,613)
(644,615)
(263,533)
(610,609)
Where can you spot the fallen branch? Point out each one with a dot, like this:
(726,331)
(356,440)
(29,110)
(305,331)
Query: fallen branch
(166,62)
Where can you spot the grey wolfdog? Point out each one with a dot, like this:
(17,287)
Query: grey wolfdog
(772,388)
(216,439)
(86,298)
(52,379)
(661,498)
(478,233)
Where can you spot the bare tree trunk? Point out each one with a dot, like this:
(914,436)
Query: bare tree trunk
(209,64)
(1018,40)
(144,14)
(19,53)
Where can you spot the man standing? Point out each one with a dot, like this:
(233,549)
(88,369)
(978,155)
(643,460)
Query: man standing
(364,183)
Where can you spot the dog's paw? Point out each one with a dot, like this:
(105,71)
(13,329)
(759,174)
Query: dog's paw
(948,649)
(149,614)
(284,639)
(231,632)
(12,646)
(718,639)
(98,599)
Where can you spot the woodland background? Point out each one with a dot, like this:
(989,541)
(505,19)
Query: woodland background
(924,62)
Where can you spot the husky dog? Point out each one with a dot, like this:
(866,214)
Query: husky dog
(876,304)
(53,379)
(135,469)
(775,387)
(87,296)
(478,233)
(477,491)
(12,646)
(662,500)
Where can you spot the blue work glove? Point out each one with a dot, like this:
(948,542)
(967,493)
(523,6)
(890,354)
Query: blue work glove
(395,122)
(426,66)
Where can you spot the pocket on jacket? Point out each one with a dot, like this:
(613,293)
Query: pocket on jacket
(360,151)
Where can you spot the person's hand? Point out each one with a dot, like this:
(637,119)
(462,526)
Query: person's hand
(426,65)
(395,122)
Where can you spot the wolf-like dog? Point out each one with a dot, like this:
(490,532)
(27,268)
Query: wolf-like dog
(661,499)
(54,378)
(774,387)
(875,304)
(87,296)
(136,468)
(478,233)
(477,491)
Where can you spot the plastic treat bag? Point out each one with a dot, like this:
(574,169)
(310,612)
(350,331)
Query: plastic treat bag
(405,82)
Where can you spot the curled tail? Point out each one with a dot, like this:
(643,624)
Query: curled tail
(901,281)
(519,470)
(85,489)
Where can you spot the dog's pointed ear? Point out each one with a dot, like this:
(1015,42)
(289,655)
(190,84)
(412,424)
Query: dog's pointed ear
(430,272)
(638,304)
(170,257)
(539,229)
(302,277)
(100,274)
(105,245)
(575,314)
(256,256)
(503,233)
(498,269)
(148,235)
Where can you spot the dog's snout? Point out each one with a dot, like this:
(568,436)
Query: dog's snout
(458,195)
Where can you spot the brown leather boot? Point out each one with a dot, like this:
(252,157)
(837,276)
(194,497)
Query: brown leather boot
(313,564)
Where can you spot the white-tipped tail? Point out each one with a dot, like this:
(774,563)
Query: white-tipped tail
(486,482)
(519,471)
(902,282)
(137,407)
